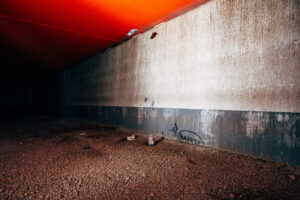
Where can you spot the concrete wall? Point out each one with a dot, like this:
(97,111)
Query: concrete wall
(226,72)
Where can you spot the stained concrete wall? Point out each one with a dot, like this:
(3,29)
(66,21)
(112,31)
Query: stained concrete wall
(228,56)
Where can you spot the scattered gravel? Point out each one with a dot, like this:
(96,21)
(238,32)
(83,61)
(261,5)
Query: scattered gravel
(52,159)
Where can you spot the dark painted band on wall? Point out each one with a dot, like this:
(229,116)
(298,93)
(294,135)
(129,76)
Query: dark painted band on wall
(267,135)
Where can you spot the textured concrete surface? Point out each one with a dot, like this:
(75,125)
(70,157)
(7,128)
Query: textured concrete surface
(224,55)
(272,136)
(233,63)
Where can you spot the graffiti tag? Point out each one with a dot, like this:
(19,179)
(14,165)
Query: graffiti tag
(186,135)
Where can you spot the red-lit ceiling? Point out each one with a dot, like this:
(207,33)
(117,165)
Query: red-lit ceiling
(58,33)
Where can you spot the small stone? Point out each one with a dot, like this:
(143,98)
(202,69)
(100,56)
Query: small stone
(291,176)
(19,194)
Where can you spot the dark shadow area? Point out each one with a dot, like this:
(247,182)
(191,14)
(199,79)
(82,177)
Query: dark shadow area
(25,96)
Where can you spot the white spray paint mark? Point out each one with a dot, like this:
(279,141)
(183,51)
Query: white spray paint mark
(207,120)
(280,117)
(256,123)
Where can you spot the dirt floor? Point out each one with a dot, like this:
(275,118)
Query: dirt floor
(42,158)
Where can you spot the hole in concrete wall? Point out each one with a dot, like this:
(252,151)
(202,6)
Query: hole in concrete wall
(153,35)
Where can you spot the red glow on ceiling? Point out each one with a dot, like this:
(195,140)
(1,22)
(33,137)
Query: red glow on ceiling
(58,33)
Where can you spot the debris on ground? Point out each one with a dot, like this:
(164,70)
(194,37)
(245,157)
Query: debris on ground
(291,176)
(150,140)
(159,140)
(58,163)
(131,137)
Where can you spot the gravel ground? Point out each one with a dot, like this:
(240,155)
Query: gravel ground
(73,159)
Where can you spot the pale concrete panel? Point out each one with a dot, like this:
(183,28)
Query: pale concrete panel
(224,55)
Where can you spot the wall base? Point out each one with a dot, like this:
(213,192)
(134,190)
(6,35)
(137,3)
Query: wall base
(266,135)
